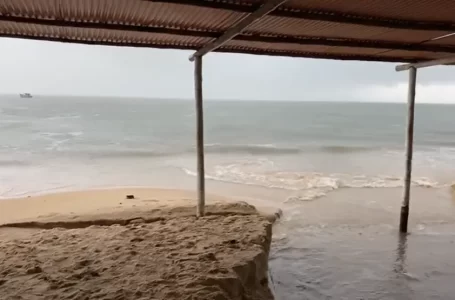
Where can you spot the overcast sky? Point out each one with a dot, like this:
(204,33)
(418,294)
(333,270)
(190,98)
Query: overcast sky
(69,69)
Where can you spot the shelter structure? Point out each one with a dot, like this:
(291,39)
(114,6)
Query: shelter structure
(420,33)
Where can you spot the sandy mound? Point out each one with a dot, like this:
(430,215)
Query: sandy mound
(167,254)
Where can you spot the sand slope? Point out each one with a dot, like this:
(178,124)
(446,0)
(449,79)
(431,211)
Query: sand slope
(157,254)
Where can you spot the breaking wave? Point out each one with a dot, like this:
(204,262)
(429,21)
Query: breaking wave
(242,149)
(57,139)
(277,150)
(310,185)
(346,149)
(250,149)
(127,154)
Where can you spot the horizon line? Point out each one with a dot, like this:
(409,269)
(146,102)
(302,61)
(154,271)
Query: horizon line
(218,99)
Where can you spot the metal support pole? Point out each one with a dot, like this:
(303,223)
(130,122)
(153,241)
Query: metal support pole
(199,136)
(409,145)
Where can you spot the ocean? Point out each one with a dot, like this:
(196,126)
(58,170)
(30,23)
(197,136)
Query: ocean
(335,169)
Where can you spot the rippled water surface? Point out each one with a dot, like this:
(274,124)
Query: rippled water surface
(335,169)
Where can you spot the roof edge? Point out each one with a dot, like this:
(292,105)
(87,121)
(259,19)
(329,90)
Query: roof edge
(225,49)
(320,15)
(249,37)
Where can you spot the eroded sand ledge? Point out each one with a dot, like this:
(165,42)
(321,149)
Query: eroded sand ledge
(153,253)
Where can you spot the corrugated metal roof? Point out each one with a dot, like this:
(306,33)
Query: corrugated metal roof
(376,30)
(302,27)
(426,10)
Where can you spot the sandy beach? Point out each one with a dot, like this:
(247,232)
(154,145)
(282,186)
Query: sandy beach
(99,245)
(94,202)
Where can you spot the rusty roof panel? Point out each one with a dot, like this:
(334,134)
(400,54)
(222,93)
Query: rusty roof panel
(102,35)
(10,28)
(417,36)
(406,54)
(289,26)
(137,37)
(419,10)
(301,48)
(275,47)
(131,12)
(299,27)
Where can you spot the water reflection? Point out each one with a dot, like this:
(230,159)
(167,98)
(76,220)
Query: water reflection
(400,261)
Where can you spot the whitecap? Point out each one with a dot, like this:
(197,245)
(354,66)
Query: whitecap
(308,186)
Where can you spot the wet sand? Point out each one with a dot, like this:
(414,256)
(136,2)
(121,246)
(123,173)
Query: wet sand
(99,245)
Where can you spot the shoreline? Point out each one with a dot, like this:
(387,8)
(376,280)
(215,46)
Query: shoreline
(93,201)
(72,204)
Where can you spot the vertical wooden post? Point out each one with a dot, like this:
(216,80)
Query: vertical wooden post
(409,145)
(199,136)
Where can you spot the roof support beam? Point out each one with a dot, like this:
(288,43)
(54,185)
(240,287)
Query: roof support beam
(424,64)
(323,15)
(108,26)
(266,8)
(360,57)
(346,42)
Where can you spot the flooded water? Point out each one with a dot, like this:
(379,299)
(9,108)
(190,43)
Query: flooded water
(364,263)
(341,248)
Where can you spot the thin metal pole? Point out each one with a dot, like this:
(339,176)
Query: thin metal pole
(199,135)
(409,145)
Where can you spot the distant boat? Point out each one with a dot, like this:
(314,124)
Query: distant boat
(26,95)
